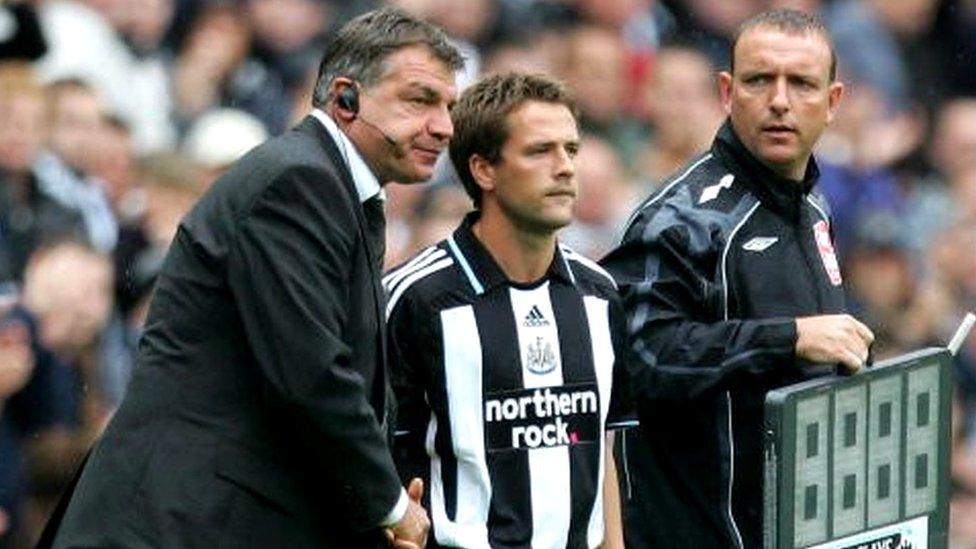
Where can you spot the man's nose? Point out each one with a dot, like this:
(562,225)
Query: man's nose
(440,126)
(780,101)
(565,166)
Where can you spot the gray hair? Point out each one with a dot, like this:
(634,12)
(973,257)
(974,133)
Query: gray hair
(362,45)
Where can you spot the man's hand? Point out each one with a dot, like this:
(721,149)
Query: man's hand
(411,531)
(833,338)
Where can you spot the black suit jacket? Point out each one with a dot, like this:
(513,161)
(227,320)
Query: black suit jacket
(256,415)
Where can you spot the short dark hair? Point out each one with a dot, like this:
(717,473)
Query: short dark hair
(363,44)
(479,117)
(790,22)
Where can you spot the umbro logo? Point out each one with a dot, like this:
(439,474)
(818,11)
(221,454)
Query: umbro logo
(535,318)
(760,243)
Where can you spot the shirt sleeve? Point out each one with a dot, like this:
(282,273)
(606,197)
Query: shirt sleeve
(399,510)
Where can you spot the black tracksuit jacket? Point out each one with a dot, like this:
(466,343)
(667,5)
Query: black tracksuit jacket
(713,269)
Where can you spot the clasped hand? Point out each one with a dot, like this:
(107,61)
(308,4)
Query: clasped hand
(411,531)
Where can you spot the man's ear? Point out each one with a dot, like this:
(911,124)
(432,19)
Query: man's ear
(483,172)
(725,90)
(835,92)
(339,85)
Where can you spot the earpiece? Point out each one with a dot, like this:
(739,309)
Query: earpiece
(348,99)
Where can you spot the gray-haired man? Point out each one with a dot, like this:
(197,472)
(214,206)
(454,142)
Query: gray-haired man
(258,414)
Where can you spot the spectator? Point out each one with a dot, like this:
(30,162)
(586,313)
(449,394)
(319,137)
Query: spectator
(962,506)
(142,25)
(289,35)
(69,320)
(16,367)
(876,37)
(472,25)
(35,396)
(65,173)
(862,151)
(114,167)
(83,45)
(27,215)
(886,286)
(522,54)
(434,217)
(213,69)
(709,26)
(604,199)
(682,88)
(594,68)
(130,76)
(948,195)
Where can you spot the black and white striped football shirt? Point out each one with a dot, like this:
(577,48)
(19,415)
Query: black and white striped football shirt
(504,391)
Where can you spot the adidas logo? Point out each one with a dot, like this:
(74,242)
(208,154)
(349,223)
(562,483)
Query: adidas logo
(535,318)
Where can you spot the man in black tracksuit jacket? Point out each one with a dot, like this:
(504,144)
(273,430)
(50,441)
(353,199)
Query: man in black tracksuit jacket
(732,288)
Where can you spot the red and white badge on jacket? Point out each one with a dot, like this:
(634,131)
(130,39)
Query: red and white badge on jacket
(821,233)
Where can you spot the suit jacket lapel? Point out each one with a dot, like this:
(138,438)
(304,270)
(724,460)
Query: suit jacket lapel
(314,127)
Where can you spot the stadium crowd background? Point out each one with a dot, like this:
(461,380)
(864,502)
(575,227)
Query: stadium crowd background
(115,115)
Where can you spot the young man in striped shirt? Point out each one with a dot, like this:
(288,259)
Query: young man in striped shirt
(505,346)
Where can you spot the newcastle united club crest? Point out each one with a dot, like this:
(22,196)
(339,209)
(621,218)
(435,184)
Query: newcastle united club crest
(540,358)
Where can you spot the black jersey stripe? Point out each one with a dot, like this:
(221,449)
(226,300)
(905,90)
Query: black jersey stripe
(509,469)
(574,338)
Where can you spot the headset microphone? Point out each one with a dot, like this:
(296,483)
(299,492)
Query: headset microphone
(393,143)
(348,99)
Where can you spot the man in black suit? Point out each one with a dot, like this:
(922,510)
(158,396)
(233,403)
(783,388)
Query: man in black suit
(258,413)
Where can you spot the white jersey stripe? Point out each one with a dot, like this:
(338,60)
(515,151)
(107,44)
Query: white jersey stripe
(425,258)
(598,319)
(410,280)
(462,371)
(548,467)
(463,261)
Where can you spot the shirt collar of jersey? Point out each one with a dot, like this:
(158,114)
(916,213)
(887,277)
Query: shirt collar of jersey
(778,192)
(367,186)
(487,271)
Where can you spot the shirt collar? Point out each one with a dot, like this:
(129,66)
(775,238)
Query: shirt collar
(484,268)
(367,186)
(773,189)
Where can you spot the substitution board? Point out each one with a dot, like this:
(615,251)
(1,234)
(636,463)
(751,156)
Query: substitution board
(861,461)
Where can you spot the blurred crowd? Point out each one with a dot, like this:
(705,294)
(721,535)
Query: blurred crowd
(115,115)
